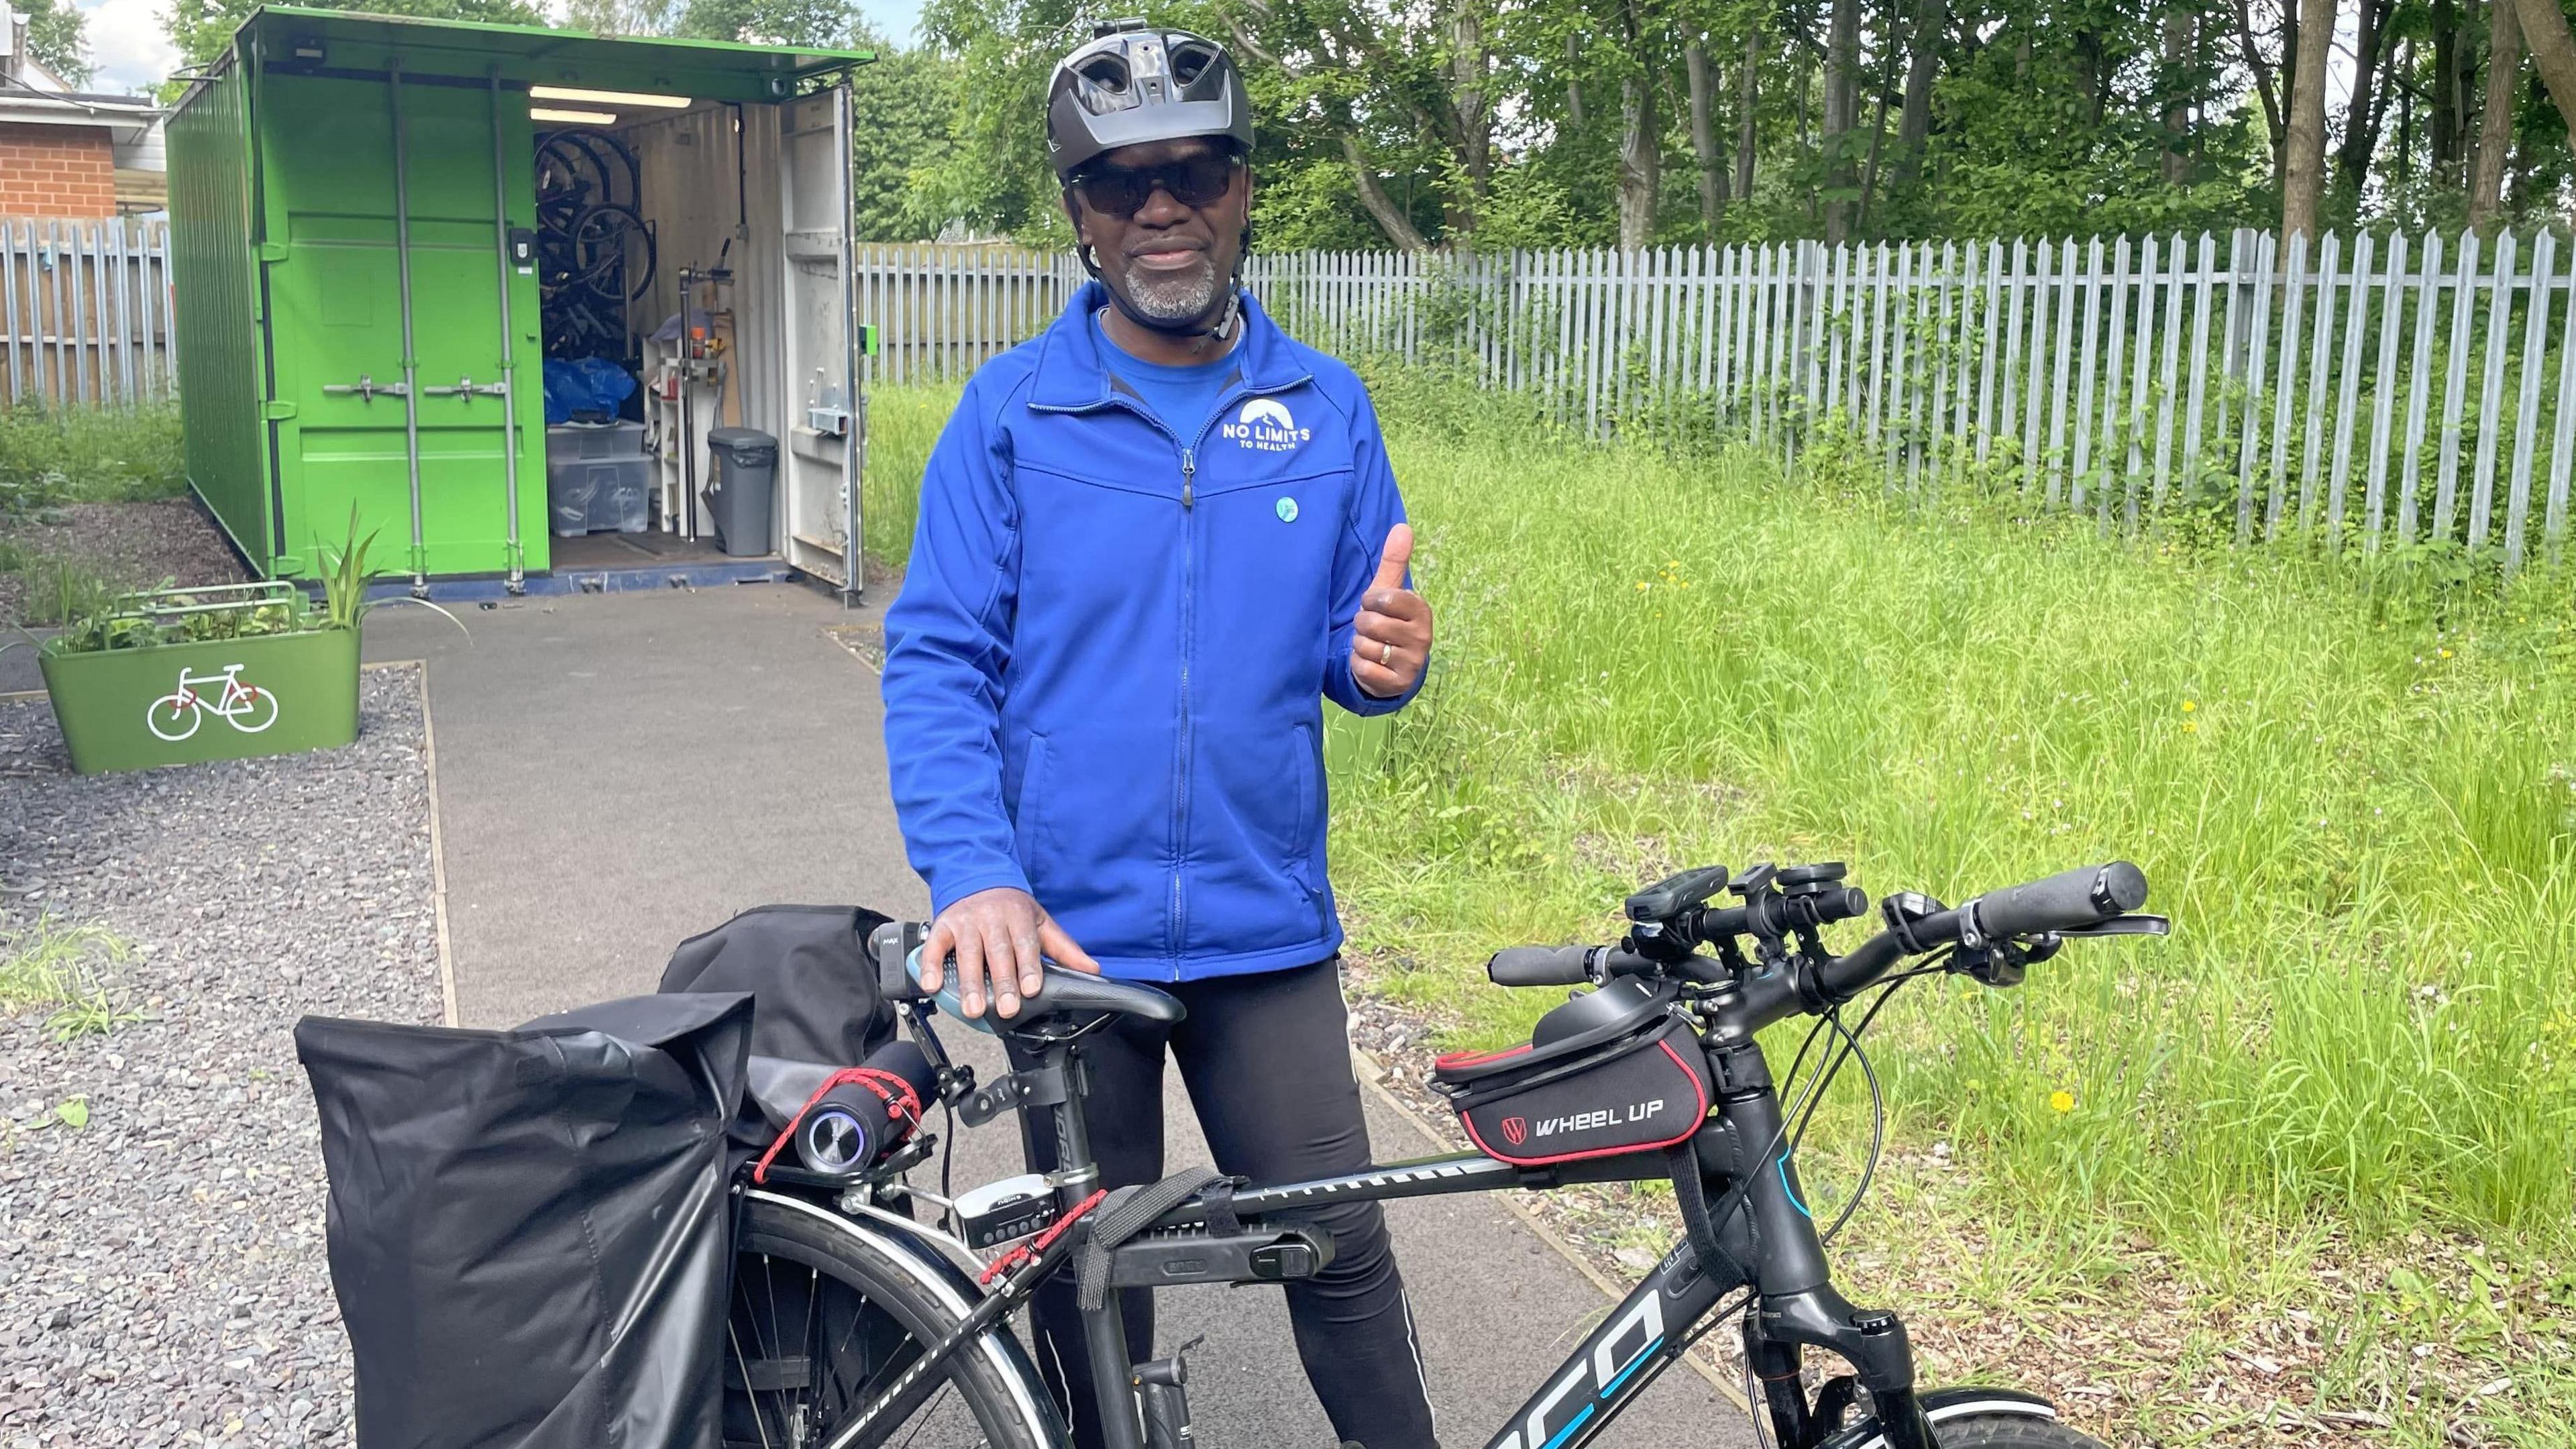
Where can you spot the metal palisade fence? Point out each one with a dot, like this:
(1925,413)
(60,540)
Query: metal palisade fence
(85,312)
(2380,390)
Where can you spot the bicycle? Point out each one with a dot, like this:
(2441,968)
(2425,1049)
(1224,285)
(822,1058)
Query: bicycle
(854,1324)
(237,704)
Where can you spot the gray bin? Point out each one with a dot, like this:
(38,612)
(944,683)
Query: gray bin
(744,485)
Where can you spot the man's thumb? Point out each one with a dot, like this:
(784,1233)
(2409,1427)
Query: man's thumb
(1391,564)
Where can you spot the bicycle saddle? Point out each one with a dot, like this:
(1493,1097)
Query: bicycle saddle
(1060,993)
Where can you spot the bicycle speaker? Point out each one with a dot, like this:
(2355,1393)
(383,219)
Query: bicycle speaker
(859,1122)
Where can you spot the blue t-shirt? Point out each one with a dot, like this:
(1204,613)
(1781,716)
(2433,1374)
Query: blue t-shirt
(1180,397)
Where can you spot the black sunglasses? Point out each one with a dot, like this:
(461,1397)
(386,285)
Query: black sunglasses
(1122,191)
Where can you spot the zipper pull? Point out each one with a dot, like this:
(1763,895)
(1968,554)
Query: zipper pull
(1189,472)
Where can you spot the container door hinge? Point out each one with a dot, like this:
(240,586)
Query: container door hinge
(276,411)
(272,252)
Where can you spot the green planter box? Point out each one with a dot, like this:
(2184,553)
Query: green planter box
(220,699)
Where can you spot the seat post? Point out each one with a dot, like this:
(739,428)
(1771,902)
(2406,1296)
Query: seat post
(1104,1329)
(1076,1174)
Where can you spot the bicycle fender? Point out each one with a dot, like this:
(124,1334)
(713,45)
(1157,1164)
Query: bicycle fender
(1944,1404)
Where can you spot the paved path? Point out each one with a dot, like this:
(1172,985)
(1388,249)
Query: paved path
(616,773)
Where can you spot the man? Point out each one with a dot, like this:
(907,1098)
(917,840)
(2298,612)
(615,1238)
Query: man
(1152,541)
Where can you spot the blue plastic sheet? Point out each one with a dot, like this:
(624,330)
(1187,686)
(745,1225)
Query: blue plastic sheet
(585,385)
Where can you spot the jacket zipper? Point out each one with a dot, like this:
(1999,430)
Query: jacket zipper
(1181,765)
(1189,623)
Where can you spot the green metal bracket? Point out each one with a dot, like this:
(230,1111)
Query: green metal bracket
(272,252)
(274,411)
(868,339)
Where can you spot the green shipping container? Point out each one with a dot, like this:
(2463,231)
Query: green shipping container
(354,210)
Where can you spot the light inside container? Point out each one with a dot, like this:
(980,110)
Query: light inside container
(606,98)
(572,118)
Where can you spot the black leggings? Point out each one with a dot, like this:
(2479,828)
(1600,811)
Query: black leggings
(1268,1062)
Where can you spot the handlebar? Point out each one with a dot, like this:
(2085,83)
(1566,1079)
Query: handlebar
(2071,900)
(2066,901)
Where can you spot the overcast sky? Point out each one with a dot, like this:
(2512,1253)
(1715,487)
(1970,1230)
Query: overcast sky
(127,45)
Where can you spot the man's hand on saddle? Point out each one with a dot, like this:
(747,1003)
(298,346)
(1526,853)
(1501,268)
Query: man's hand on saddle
(998,937)
(1391,638)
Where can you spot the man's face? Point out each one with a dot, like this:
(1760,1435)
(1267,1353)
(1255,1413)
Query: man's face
(1171,259)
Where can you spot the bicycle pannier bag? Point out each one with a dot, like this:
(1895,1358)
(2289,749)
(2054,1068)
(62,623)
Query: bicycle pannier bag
(1610,1072)
(529,1230)
(816,1008)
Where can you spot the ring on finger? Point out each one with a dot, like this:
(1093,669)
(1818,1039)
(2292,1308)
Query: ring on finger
(1385,655)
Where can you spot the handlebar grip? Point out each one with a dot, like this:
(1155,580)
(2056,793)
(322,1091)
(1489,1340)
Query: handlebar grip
(1540,966)
(2063,901)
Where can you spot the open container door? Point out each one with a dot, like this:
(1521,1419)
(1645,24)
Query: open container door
(819,466)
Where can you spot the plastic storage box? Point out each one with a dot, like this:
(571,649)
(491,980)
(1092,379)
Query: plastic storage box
(597,479)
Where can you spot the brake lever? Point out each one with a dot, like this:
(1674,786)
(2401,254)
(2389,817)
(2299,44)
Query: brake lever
(2140,925)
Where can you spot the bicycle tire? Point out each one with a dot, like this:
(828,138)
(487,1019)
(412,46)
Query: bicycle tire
(827,1312)
(600,256)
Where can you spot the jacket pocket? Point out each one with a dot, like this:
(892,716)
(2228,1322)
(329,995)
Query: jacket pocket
(1252,876)
(1095,812)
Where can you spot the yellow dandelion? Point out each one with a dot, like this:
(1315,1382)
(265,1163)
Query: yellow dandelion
(2061,1101)
(1642,586)
(2188,706)
(2191,727)
(2445,653)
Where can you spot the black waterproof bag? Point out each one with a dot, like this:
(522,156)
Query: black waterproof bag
(529,1230)
(817,1008)
(1611,1072)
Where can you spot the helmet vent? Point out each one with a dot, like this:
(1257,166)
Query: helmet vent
(1109,72)
(1189,62)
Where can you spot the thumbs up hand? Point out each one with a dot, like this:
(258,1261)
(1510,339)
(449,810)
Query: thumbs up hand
(1391,639)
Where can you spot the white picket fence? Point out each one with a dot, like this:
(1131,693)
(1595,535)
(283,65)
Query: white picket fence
(2383,390)
(85,311)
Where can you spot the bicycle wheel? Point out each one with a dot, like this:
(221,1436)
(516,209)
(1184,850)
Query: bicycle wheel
(174,717)
(829,1313)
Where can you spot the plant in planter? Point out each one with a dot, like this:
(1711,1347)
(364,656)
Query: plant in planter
(175,676)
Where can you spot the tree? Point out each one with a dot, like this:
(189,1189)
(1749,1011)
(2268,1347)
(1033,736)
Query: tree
(1703,132)
(2553,53)
(58,35)
(1842,94)
(2495,130)
(2304,164)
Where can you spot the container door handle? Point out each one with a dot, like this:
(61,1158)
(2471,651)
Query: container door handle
(366,388)
(466,389)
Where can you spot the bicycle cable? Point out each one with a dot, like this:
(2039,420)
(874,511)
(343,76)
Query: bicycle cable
(1850,1050)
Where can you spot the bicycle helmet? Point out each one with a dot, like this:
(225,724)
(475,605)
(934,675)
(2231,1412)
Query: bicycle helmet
(1130,84)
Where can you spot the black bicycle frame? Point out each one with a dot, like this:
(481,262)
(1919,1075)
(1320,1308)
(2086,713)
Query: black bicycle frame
(1766,1242)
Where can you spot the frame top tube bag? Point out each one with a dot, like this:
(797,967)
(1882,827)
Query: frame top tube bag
(1611,1072)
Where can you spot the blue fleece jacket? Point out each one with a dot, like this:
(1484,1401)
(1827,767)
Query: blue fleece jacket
(1104,676)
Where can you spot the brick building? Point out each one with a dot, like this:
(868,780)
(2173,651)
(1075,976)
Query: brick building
(64,153)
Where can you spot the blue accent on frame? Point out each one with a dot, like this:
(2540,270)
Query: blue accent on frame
(1791,1191)
(1634,1364)
(1568,1431)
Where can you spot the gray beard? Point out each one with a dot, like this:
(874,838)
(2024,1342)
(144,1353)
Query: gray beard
(1173,298)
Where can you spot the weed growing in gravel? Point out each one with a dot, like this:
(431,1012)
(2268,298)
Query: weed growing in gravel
(50,963)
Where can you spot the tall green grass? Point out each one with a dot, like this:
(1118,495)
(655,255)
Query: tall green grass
(89,455)
(2353,795)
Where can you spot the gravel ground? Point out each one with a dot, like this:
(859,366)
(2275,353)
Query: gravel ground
(161,1270)
(135,545)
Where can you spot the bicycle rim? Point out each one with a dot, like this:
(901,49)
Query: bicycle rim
(810,1341)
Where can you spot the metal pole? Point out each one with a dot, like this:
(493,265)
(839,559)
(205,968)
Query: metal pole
(410,362)
(688,424)
(509,367)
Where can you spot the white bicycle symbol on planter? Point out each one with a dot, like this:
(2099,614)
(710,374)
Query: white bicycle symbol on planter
(176,715)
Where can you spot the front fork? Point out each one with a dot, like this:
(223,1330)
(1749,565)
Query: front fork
(1796,1307)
